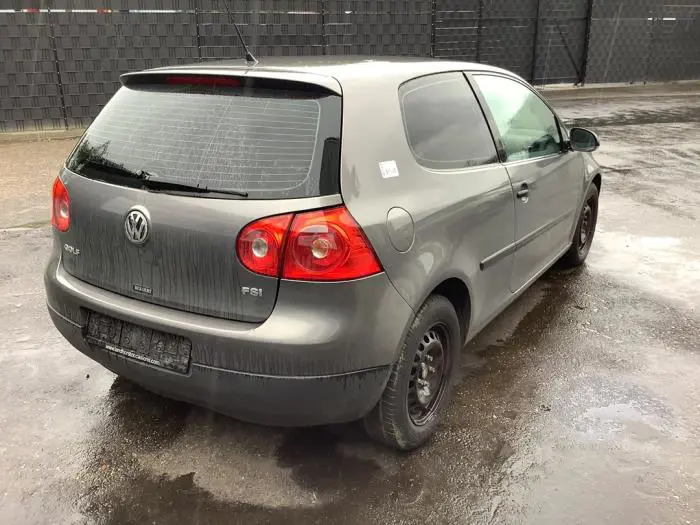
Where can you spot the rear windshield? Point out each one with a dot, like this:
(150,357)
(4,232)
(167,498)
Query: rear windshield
(269,143)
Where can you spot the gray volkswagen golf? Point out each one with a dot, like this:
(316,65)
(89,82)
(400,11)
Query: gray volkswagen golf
(312,241)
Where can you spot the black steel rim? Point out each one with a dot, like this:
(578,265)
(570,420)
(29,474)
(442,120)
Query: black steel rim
(428,379)
(587,225)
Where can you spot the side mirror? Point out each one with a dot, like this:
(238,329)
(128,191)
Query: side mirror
(583,140)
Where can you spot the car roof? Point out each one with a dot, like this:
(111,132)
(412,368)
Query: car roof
(348,71)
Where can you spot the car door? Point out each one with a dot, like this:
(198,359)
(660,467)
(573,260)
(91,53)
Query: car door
(545,175)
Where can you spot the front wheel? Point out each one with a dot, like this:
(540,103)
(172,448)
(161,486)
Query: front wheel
(421,379)
(585,229)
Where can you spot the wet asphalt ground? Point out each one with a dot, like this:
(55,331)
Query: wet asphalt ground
(579,404)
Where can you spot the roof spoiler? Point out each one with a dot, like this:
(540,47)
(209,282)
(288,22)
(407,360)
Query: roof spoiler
(160,75)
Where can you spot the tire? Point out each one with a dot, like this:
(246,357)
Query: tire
(434,337)
(585,230)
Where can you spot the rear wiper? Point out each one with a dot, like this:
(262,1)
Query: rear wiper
(151,182)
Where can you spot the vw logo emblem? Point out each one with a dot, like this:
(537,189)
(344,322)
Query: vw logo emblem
(136,226)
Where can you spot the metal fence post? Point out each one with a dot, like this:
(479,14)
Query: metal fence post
(196,23)
(324,37)
(433,23)
(655,18)
(57,65)
(586,44)
(533,72)
(479,30)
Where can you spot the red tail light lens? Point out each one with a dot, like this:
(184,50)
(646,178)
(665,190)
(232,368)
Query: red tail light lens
(60,210)
(328,245)
(322,245)
(260,244)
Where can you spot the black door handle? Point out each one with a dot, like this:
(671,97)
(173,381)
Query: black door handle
(523,192)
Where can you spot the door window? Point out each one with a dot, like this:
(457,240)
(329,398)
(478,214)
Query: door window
(527,126)
(445,126)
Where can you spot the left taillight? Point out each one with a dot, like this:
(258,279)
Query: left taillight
(60,209)
(260,245)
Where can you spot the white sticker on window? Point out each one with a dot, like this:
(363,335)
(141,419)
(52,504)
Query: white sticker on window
(389,169)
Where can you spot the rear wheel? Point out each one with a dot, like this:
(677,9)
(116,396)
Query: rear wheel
(585,229)
(421,379)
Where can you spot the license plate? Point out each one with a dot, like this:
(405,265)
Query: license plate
(137,342)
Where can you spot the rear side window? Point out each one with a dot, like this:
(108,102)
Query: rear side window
(270,143)
(445,126)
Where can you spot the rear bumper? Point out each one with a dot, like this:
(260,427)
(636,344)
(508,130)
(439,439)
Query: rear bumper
(306,365)
(267,400)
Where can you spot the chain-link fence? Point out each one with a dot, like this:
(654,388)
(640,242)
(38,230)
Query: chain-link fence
(61,59)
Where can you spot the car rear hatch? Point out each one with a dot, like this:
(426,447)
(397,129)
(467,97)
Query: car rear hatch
(172,170)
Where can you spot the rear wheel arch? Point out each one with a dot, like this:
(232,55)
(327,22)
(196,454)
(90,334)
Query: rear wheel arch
(457,292)
(453,288)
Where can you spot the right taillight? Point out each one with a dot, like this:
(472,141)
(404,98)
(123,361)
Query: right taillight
(327,245)
(320,245)
(60,209)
